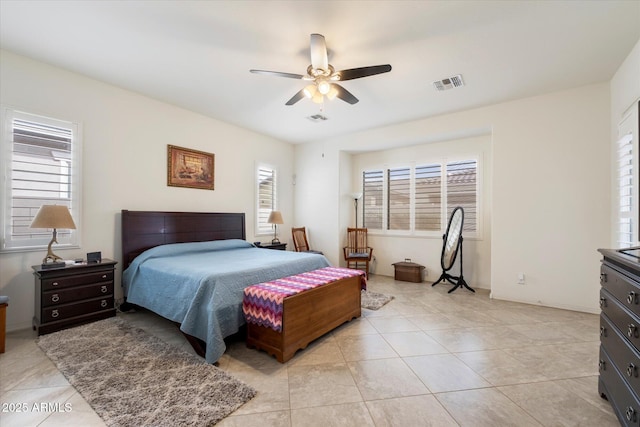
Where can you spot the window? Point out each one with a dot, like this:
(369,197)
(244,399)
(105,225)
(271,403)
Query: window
(372,198)
(266,198)
(42,166)
(399,200)
(462,191)
(627,185)
(428,198)
(420,198)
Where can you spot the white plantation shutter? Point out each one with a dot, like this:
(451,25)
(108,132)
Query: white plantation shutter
(266,198)
(421,199)
(462,191)
(428,198)
(41,166)
(372,199)
(399,199)
(625,172)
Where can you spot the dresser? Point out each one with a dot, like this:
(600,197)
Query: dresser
(73,295)
(619,363)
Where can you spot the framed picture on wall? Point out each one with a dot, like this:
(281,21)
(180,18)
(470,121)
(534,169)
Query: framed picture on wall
(190,168)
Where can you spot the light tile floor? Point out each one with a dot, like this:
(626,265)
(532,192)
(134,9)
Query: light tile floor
(428,358)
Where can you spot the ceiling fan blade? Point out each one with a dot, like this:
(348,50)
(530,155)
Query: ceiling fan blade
(357,73)
(319,52)
(345,95)
(295,98)
(277,73)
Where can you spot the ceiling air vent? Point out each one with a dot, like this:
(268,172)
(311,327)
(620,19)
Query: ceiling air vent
(449,83)
(318,118)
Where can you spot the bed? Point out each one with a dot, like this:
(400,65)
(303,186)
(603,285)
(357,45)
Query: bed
(192,268)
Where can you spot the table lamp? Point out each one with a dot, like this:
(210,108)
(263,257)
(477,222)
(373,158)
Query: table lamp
(53,216)
(275,218)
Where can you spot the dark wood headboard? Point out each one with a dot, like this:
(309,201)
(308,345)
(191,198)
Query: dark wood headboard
(142,230)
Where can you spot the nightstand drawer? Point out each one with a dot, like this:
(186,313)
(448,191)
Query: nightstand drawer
(63,296)
(65,311)
(76,280)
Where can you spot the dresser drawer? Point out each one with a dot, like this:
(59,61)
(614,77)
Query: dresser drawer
(621,317)
(65,311)
(66,295)
(624,402)
(622,354)
(76,280)
(624,288)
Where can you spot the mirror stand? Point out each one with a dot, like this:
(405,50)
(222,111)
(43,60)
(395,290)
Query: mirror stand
(457,281)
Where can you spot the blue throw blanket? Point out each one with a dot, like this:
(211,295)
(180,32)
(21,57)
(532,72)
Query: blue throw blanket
(200,285)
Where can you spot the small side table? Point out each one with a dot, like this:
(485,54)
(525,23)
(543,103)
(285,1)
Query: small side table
(408,271)
(276,246)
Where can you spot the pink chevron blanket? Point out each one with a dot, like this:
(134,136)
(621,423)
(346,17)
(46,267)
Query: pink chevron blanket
(263,303)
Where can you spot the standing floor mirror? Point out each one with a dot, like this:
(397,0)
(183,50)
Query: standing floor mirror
(451,246)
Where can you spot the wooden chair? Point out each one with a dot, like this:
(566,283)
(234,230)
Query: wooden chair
(357,250)
(300,240)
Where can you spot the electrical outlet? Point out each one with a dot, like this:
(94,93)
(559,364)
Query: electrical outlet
(521,279)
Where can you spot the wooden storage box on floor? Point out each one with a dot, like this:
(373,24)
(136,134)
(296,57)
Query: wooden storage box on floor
(408,271)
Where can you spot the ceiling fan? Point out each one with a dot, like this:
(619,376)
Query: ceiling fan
(324,77)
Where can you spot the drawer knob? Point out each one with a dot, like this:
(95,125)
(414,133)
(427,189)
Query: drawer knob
(104,276)
(55,298)
(55,313)
(104,289)
(104,303)
(632,330)
(601,365)
(630,413)
(632,370)
(603,331)
(631,298)
(603,302)
(54,284)
(603,277)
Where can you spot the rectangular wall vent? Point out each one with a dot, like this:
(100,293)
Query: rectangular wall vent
(449,83)
(318,118)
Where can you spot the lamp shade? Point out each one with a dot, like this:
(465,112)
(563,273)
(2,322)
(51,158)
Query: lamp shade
(53,216)
(275,217)
(356,195)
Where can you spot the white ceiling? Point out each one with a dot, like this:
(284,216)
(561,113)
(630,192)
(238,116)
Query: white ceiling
(197,54)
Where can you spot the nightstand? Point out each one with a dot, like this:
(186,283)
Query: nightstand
(276,246)
(73,295)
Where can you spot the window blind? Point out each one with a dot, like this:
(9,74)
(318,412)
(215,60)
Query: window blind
(428,197)
(41,168)
(372,198)
(399,199)
(266,180)
(625,191)
(462,191)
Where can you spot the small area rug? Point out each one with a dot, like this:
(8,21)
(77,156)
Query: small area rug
(132,378)
(373,300)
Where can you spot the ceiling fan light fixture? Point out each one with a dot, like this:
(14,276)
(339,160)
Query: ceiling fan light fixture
(318,98)
(310,91)
(324,87)
(333,92)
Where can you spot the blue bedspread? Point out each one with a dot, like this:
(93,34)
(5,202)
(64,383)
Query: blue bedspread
(200,285)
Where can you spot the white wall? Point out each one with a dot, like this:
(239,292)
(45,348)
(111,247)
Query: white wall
(550,172)
(124,164)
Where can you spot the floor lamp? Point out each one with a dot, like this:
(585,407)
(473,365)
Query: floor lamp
(356,197)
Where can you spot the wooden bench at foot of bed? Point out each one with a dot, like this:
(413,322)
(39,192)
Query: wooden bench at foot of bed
(307,316)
